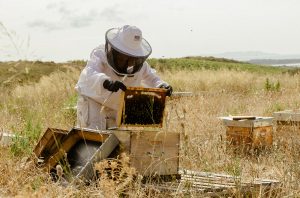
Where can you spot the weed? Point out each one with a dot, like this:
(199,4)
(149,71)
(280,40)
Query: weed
(270,86)
(70,108)
(23,142)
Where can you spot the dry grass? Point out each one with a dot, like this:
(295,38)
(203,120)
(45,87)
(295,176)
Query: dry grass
(217,93)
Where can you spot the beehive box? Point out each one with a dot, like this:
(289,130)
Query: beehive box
(287,128)
(56,143)
(248,132)
(141,108)
(151,152)
(287,118)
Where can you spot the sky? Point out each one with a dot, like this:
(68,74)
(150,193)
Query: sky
(63,30)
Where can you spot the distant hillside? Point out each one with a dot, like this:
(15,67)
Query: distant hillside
(211,63)
(212,58)
(22,72)
(251,55)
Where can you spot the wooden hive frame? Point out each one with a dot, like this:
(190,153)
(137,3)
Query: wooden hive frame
(141,108)
(205,184)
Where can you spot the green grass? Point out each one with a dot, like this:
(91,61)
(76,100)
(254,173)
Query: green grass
(23,142)
(211,63)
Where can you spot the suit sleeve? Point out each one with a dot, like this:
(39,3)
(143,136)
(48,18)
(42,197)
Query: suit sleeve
(91,79)
(150,78)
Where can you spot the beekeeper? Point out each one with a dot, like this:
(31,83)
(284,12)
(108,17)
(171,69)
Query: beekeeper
(119,64)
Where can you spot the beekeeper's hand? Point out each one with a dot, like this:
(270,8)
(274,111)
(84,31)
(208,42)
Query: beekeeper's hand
(168,88)
(114,86)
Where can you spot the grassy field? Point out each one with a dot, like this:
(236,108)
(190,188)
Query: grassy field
(35,95)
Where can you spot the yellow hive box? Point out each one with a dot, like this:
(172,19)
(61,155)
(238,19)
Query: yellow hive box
(246,133)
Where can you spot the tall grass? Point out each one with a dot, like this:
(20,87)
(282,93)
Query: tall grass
(41,104)
(29,109)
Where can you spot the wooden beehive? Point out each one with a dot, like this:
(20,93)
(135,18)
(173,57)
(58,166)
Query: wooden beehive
(246,133)
(151,152)
(140,120)
(141,108)
(287,128)
(287,118)
(55,143)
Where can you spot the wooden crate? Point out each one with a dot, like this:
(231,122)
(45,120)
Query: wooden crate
(206,184)
(246,134)
(141,108)
(287,119)
(288,116)
(55,143)
(151,152)
(287,128)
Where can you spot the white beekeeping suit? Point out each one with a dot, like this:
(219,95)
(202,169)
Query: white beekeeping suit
(101,67)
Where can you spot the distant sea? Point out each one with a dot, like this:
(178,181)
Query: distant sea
(288,64)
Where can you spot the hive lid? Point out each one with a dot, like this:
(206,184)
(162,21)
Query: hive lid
(287,115)
(247,121)
(141,108)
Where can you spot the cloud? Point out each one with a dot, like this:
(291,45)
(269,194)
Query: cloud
(67,21)
(47,25)
(64,16)
(112,14)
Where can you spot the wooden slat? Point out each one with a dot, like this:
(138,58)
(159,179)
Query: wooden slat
(287,115)
(50,138)
(209,180)
(124,138)
(92,136)
(102,152)
(64,148)
(243,117)
(219,185)
(120,110)
(206,174)
(258,122)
